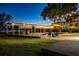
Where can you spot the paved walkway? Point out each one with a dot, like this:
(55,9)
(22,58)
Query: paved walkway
(64,36)
(65,47)
(68,45)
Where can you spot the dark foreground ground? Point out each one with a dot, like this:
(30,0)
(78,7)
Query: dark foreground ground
(63,48)
(66,44)
(19,46)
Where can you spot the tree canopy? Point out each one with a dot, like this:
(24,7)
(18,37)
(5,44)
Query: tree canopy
(54,11)
(3,19)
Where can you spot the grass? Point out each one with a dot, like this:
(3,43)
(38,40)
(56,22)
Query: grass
(15,46)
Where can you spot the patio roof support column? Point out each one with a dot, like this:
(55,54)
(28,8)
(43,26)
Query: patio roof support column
(7,29)
(19,30)
(13,29)
(34,30)
(30,30)
(40,30)
(43,30)
(24,32)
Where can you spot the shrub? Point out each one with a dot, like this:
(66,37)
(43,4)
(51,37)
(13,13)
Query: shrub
(55,30)
(74,30)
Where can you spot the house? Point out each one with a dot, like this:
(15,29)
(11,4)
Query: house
(24,29)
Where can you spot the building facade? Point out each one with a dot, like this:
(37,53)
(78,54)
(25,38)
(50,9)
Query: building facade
(24,29)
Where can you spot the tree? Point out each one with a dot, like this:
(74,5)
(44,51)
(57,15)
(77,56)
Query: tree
(72,17)
(3,19)
(55,11)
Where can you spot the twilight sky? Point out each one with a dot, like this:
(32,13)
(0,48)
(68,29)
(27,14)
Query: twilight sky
(25,13)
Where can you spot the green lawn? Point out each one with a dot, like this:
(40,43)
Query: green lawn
(22,46)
